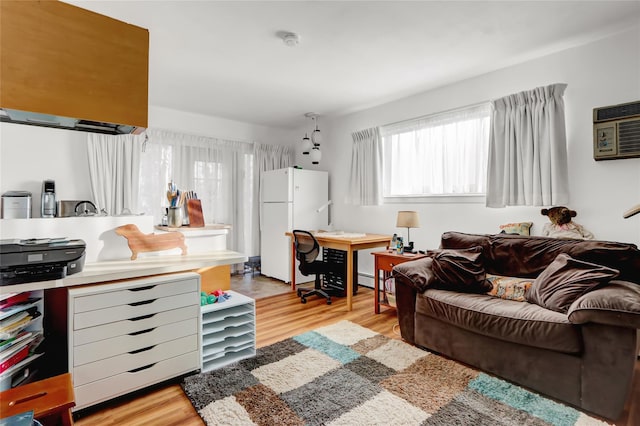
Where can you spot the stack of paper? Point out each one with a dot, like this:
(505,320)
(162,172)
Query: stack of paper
(17,344)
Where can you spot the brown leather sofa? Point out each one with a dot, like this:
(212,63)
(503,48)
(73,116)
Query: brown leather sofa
(585,357)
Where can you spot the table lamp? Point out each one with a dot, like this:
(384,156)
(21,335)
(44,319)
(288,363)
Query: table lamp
(408,219)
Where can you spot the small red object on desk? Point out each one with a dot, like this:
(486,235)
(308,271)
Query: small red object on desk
(194,209)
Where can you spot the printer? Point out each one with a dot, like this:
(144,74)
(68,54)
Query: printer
(42,259)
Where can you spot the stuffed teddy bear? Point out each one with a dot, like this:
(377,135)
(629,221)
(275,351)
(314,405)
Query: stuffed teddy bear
(562,226)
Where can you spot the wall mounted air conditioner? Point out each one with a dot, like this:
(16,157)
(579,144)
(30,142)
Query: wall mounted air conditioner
(616,131)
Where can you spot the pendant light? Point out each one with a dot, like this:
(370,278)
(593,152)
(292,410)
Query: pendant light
(307,145)
(316,138)
(316,155)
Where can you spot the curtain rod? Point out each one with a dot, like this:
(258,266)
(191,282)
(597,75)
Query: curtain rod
(436,114)
(182,133)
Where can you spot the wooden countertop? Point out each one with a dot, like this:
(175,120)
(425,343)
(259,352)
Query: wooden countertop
(125,269)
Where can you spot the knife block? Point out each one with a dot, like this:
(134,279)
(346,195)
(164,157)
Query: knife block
(194,209)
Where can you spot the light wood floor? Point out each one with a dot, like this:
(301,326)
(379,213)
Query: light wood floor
(278,317)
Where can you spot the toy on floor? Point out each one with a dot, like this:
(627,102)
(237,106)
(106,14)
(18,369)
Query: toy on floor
(216,296)
(562,225)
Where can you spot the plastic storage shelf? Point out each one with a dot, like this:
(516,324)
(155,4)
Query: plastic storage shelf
(228,331)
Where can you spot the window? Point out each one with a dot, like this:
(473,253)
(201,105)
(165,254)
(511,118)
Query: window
(440,154)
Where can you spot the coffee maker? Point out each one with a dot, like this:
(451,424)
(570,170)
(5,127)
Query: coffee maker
(48,205)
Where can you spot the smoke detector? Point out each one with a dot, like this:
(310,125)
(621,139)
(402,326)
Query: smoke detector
(290,39)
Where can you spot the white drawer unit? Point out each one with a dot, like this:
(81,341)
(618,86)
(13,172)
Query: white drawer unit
(127,335)
(228,331)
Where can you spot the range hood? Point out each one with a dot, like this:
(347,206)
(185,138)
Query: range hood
(66,67)
(60,122)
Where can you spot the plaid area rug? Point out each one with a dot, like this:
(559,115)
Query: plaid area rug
(345,374)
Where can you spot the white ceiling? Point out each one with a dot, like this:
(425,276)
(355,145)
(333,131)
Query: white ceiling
(224,58)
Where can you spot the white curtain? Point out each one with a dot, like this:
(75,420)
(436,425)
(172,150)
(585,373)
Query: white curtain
(114,164)
(438,154)
(528,149)
(219,171)
(267,157)
(365,182)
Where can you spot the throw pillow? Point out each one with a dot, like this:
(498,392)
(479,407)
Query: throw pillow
(521,228)
(510,288)
(460,270)
(566,279)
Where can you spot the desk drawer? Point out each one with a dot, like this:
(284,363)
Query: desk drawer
(133,310)
(119,328)
(387,263)
(107,388)
(93,371)
(131,342)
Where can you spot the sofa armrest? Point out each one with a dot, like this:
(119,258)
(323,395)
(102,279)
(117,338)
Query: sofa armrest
(617,303)
(411,278)
(416,273)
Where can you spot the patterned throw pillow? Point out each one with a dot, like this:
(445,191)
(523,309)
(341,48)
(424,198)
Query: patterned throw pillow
(522,228)
(510,288)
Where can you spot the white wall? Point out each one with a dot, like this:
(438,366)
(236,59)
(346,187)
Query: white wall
(203,125)
(31,154)
(602,73)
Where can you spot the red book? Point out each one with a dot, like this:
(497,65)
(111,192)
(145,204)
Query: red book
(13,300)
(19,356)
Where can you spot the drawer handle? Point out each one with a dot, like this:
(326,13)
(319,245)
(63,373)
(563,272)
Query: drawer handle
(149,287)
(27,398)
(137,333)
(135,370)
(148,348)
(144,302)
(142,317)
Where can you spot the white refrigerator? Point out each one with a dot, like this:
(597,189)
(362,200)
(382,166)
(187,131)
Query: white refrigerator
(290,199)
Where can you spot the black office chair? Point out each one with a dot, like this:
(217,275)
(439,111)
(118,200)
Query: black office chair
(307,251)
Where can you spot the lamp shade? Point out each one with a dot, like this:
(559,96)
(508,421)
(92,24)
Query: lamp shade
(316,155)
(408,219)
(307,146)
(316,136)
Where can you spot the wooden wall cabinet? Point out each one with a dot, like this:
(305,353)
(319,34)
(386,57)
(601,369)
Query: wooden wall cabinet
(63,60)
(215,278)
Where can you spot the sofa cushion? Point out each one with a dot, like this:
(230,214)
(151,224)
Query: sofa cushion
(565,280)
(460,270)
(510,288)
(517,322)
(416,273)
(523,256)
(520,228)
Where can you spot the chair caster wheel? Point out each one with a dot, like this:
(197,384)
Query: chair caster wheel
(299,292)
(303,301)
(328,302)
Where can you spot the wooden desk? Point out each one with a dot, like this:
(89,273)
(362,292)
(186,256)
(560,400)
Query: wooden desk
(345,243)
(50,399)
(384,263)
